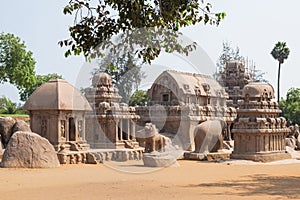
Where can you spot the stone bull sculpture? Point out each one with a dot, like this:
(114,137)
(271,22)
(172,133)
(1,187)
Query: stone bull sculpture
(208,136)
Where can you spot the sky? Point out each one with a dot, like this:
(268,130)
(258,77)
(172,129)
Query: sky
(254,26)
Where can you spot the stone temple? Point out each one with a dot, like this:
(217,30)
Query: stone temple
(111,124)
(259,133)
(233,78)
(179,101)
(57,112)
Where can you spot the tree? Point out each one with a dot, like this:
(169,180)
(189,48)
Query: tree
(16,63)
(146,26)
(139,98)
(280,52)
(125,72)
(291,106)
(40,79)
(9,107)
(231,54)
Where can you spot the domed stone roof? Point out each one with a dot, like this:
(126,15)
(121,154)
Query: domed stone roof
(57,94)
(102,79)
(257,90)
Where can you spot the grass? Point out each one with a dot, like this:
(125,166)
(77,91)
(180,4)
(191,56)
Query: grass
(14,115)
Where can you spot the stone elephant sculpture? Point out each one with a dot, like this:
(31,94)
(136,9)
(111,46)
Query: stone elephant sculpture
(208,136)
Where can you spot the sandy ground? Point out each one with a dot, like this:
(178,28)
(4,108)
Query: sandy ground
(191,180)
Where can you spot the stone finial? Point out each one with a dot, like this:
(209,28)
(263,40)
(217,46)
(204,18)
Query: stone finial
(102,79)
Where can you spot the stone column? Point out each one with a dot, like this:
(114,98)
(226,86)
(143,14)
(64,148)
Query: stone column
(117,131)
(132,129)
(128,129)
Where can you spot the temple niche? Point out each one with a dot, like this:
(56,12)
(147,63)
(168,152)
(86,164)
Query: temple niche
(57,112)
(259,133)
(233,78)
(111,124)
(180,101)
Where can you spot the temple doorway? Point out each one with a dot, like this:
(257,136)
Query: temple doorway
(72,129)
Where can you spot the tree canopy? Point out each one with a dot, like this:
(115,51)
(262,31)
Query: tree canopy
(146,26)
(17,65)
(139,98)
(291,106)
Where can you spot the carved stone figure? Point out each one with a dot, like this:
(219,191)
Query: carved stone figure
(152,140)
(208,136)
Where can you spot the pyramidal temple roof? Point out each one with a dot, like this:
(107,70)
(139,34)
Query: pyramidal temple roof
(57,94)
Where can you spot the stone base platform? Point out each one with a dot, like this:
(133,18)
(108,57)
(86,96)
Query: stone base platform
(157,159)
(208,157)
(94,156)
(262,157)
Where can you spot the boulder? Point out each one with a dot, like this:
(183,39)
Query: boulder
(21,125)
(156,159)
(6,129)
(29,150)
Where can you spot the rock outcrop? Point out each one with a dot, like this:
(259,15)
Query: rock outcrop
(29,150)
(6,129)
(21,125)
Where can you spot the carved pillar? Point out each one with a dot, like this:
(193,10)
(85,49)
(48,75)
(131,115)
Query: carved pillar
(133,130)
(128,129)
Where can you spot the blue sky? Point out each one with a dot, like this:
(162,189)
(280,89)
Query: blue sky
(255,26)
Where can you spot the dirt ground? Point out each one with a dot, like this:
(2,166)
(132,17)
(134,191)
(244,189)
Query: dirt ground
(191,180)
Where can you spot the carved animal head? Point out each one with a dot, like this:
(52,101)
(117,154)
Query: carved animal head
(150,129)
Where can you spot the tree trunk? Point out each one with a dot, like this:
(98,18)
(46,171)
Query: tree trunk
(278,84)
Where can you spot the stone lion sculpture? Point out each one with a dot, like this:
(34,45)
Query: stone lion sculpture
(151,139)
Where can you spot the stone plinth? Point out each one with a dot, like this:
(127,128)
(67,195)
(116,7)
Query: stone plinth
(208,157)
(259,133)
(156,159)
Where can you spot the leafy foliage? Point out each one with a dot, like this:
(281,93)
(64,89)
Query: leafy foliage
(40,79)
(125,72)
(291,106)
(146,26)
(16,63)
(9,107)
(280,52)
(139,98)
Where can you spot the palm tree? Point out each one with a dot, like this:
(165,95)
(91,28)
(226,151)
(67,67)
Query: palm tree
(280,52)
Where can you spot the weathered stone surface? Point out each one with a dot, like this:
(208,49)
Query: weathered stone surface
(290,142)
(223,155)
(208,136)
(6,129)
(21,125)
(259,133)
(156,159)
(29,150)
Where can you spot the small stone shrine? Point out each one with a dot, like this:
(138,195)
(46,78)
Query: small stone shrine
(57,112)
(259,133)
(112,124)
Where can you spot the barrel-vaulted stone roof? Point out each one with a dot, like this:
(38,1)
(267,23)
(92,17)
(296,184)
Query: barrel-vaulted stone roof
(57,94)
(190,83)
